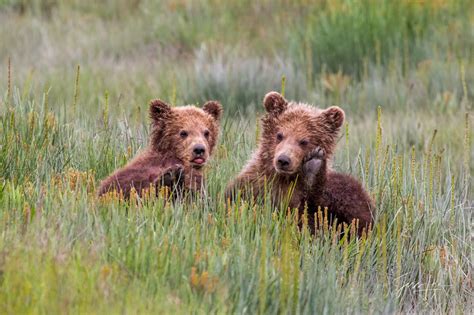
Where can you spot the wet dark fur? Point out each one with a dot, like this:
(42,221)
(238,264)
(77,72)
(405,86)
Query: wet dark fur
(343,195)
(166,161)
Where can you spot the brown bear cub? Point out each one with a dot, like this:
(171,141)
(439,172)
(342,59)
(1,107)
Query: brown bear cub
(293,157)
(182,140)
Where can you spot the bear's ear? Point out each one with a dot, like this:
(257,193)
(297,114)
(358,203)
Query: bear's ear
(213,108)
(333,117)
(159,110)
(275,103)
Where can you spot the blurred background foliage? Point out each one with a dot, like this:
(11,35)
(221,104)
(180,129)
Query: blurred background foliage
(235,51)
(76,77)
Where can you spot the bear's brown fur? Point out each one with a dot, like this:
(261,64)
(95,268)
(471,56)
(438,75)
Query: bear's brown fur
(182,140)
(296,144)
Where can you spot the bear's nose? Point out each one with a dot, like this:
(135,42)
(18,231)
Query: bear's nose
(199,149)
(283,161)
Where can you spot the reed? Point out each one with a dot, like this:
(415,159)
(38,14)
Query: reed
(407,137)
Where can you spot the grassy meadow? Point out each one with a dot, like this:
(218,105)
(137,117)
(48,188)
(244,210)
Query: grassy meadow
(75,81)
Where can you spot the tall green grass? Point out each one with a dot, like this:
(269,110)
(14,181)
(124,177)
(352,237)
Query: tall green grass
(408,139)
(65,250)
(346,35)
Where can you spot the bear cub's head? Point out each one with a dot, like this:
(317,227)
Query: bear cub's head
(291,131)
(186,133)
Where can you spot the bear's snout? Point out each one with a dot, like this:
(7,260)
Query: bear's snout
(283,162)
(199,150)
(199,155)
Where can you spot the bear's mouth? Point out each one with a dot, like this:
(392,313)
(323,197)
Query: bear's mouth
(284,172)
(198,162)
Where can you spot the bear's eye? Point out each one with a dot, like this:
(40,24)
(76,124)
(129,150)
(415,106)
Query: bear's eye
(279,136)
(304,143)
(183,134)
(206,134)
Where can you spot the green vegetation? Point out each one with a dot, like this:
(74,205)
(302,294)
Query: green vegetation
(402,70)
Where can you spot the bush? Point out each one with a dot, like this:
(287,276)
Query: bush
(344,33)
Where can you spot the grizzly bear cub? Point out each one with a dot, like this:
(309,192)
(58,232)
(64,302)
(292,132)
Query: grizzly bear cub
(295,148)
(182,140)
